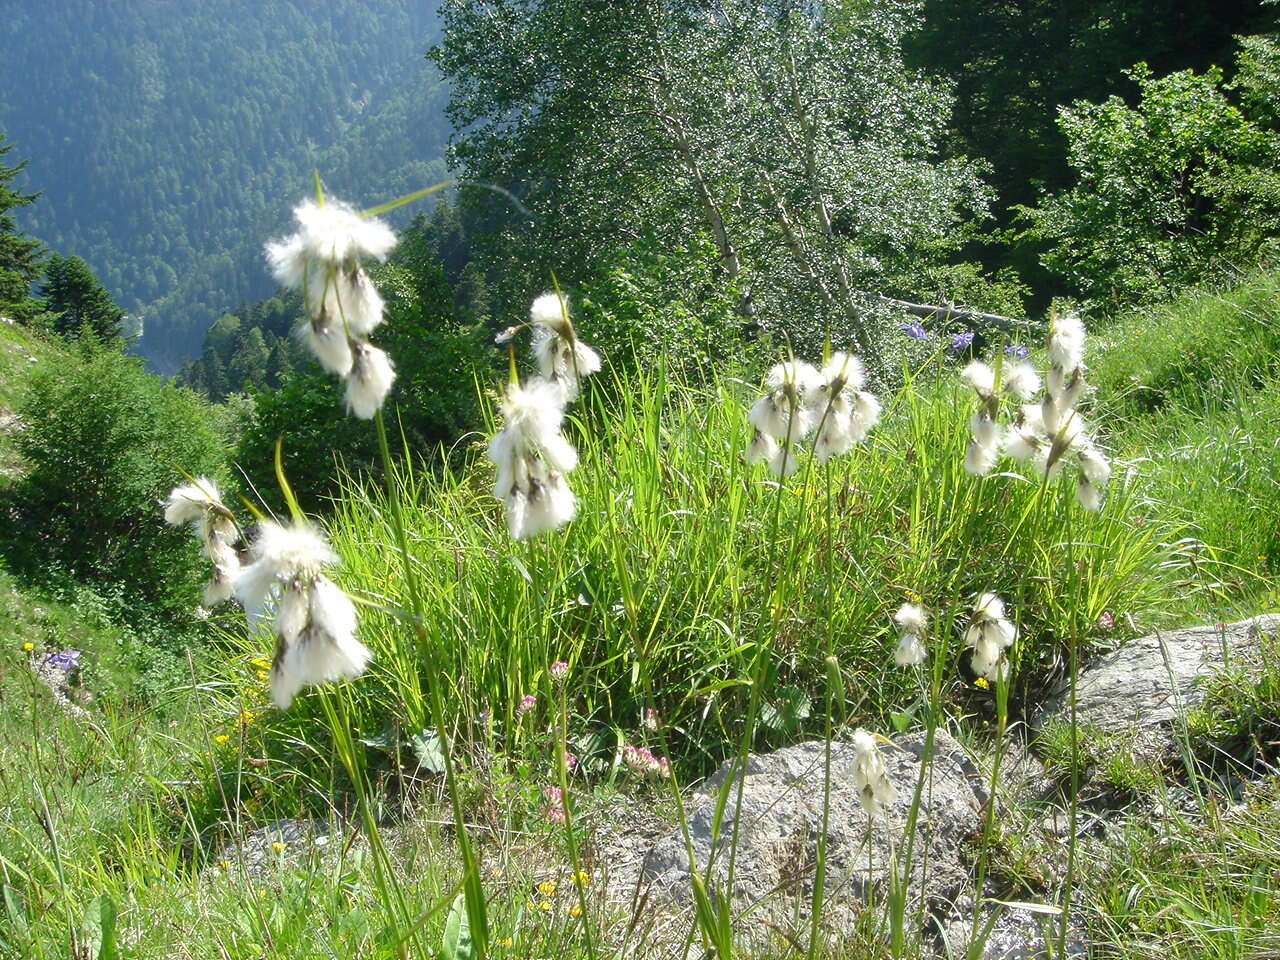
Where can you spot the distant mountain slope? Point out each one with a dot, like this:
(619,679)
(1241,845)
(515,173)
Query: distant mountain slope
(172,138)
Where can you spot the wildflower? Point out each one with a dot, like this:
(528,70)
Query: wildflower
(562,358)
(989,635)
(200,505)
(844,411)
(547,888)
(1066,342)
(984,442)
(505,942)
(914,331)
(875,791)
(278,846)
(581,878)
(642,761)
(314,620)
(570,762)
(575,910)
(763,448)
(28,647)
(961,342)
(913,622)
(1021,380)
(1107,621)
(545,906)
(527,703)
(221,738)
(559,670)
(532,459)
(322,261)
(1015,350)
(650,721)
(64,660)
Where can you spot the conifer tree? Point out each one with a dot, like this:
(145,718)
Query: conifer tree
(79,304)
(19,254)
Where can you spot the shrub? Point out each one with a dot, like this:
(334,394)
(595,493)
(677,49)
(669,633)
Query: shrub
(103,441)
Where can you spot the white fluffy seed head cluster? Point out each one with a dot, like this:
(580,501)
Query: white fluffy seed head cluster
(989,635)
(313,620)
(531,455)
(562,358)
(800,399)
(200,505)
(875,790)
(1044,433)
(323,261)
(913,626)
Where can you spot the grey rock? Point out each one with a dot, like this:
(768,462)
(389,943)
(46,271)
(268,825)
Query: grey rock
(780,819)
(1140,689)
(256,855)
(1018,933)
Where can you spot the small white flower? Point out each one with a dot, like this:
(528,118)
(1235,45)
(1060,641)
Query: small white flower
(875,791)
(531,459)
(1088,495)
(562,358)
(910,651)
(1094,466)
(369,380)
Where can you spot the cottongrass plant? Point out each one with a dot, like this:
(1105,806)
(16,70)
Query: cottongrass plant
(323,260)
(199,503)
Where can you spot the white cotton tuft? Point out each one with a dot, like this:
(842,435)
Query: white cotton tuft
(910,651)
(772,418)
(1021,380)
(369,381)
(1089,496)
(984,430)
(334,233)
(1067,389)
(288,261)
(328,343)
(216,591)
(980,378)
(1095,466)
(796,374)
(563,361)
(352,297)
(293,610)
(531,457)
(549,505)
(551,310)
(1066,342)
(292,550)
(761,448)
(843,370)
(836,438)
(323,648)
(189,502)
(980,460)
(988,606)
(783,463)
(875,791)
(866,414)
(1021,443)
(912,618)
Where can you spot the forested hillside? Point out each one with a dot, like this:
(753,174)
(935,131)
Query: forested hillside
(170,138)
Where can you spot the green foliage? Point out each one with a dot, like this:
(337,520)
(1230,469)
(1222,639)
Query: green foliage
(78,305)
(103,442)
(1177,189)
(19,254)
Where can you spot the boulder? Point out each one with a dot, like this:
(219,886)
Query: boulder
(1140,689)
(778,825)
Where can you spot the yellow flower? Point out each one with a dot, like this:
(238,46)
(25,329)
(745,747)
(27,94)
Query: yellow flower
(248,717)
(530,905)
(221,738)
(224,864)
(545,906)
(506,942)
(28,646)
(575,911)
(582,878)
(547,888)
(981,682)
(278,846)
(261,663)
(263,674)
(913,597)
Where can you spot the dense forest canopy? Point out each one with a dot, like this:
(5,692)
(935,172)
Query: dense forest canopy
(170,138)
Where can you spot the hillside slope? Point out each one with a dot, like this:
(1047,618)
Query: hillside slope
(170,139)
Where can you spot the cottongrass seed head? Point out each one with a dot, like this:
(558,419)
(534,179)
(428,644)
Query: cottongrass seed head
(913,624)
(200,505)
(843,411)
(314,621)
(562,358)
(875,791)
(989,635)
(532,459)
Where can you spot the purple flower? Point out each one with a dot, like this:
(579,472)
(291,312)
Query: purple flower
(961,342)
(915,331)
(527,703)
(1015,350)
(65,660)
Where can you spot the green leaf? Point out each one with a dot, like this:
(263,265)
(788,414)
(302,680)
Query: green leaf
(426,747)
(786,713)
(16,910)
(457,944)
(100,929)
